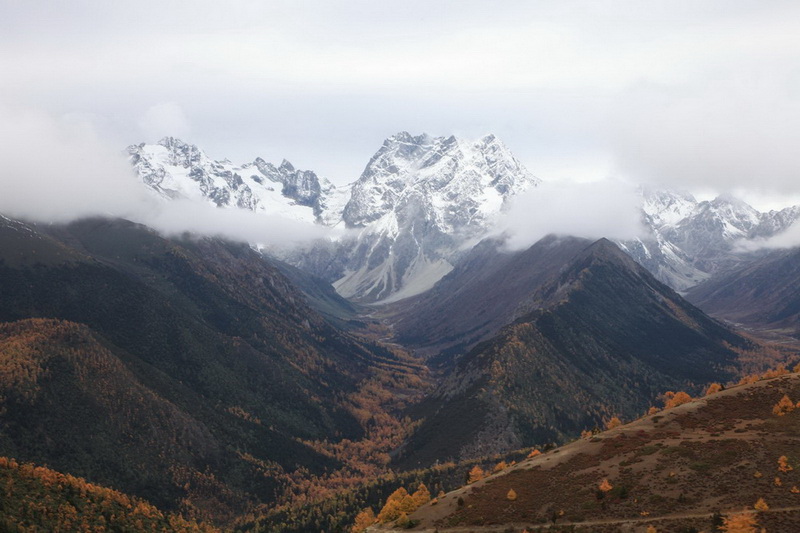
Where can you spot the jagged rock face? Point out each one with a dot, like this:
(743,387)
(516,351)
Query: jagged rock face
(418,201)
(690,241)
(175,169)
(464,182)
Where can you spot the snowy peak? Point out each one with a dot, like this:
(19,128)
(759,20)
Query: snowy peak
(692,240)
(473,177)
(667,207)
(175,169)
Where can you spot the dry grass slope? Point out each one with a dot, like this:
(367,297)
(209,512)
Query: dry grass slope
(681,469)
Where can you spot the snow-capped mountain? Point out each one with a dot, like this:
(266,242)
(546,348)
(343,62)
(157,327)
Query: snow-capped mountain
(691,241)
(175,169)
(419,201)
(422,202)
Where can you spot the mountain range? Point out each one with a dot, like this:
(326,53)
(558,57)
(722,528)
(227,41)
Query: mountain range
(422,202)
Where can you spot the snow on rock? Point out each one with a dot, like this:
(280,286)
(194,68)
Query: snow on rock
(175,169)
(422,201)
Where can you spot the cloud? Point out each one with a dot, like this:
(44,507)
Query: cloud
(607,208)
(56,170)
(682,93)
(59,169)
(180,216)
(790,238)
(165,119)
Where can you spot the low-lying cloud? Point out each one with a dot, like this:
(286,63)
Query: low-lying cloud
(790,238)
(607,208)
(58,170)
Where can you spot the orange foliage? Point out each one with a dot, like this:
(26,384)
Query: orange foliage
(740,523)
(613,423)
(511,495)
(674,399)
(783,464)
(784,406)
(476,474)
(761,505)
(89,503)
(421,496)
(714,387)
(605,486)
(364,519)
(400,503)
(774,373)
(534,453)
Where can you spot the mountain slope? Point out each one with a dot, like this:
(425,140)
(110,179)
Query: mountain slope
(683,469)
(486,290)
(210,331)
(602,338)
(765,293)
(36,498)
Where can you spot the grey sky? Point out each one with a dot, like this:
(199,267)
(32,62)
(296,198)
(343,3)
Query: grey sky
(699,95)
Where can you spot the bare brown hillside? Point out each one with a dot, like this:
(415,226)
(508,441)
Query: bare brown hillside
(680,470)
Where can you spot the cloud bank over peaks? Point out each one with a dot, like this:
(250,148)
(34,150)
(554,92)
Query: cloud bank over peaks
(607,208)
(55,170)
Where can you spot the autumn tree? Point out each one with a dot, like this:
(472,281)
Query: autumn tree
(714,387)
(783,464)
(613,423)
(739,523)
(364,519)
(761,505)
(534,453)
(674,399)
(784,406)
(421,496)
(511,495)
(605,486)
(476,474)
(395,503)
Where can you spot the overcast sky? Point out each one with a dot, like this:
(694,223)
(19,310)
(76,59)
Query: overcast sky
(693,94)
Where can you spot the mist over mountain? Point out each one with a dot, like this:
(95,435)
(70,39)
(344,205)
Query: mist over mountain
(422,202)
